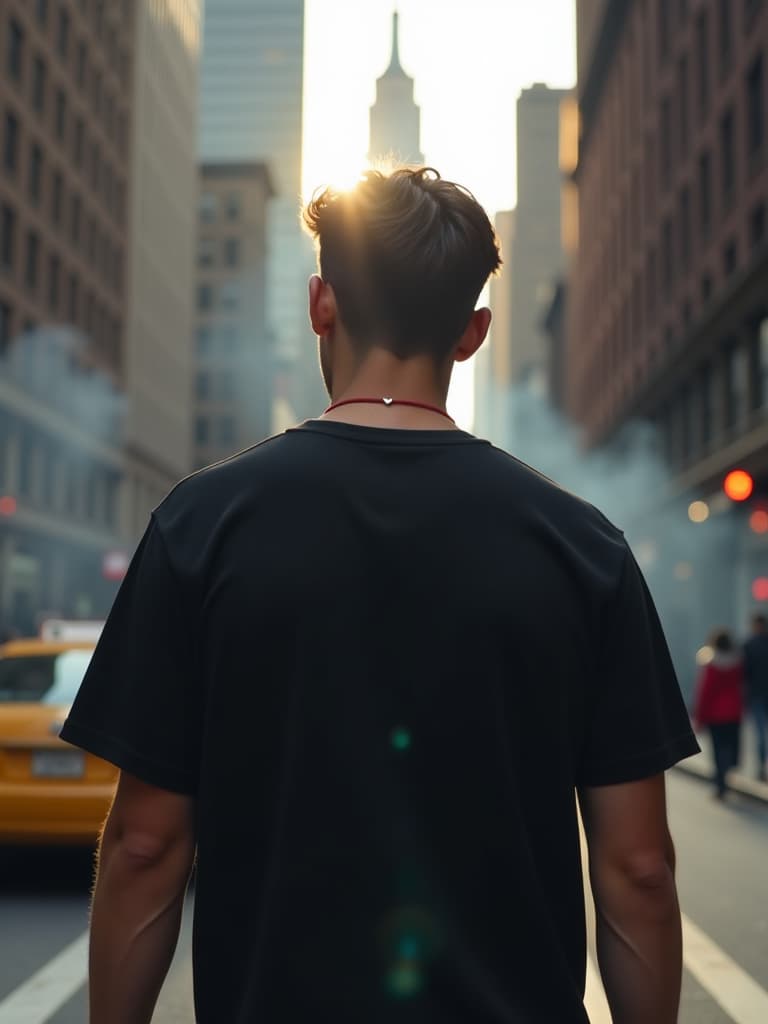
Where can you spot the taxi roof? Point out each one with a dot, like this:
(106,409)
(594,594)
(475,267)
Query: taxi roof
(34,646)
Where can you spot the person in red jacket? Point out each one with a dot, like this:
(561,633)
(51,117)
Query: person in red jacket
(720,704)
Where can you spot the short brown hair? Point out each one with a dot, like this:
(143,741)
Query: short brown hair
(407,255)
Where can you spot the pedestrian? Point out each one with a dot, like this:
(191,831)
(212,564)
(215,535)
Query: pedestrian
(756,683)
(330,676)
(719,705)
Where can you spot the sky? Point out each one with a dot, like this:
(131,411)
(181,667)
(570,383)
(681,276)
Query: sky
(469,60)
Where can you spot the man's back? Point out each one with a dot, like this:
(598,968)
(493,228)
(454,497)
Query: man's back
(409,650)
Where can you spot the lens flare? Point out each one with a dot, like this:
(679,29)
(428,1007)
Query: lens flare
(698,511)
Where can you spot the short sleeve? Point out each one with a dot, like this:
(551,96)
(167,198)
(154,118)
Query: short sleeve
(140,703)
(637,723)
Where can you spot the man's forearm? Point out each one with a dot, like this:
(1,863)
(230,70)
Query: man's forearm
(136,914)
(639,945)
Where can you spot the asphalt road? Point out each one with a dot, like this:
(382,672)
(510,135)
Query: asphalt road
(722,868)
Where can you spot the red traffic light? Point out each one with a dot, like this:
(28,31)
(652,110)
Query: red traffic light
(738,485)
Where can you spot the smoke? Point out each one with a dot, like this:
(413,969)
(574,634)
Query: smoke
(698,572)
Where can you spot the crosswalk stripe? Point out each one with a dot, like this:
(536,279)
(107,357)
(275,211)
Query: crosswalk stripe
(37,999)
(730,986)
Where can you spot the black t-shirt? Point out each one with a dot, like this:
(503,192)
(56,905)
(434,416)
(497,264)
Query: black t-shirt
(382,660)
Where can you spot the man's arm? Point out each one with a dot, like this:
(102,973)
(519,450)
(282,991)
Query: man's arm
(145,858)
(631,867)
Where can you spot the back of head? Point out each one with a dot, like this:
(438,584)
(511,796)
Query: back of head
(407,255)
(759,623)
(721,641)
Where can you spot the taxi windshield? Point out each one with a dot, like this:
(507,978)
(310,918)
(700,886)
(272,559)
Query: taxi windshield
(42,678)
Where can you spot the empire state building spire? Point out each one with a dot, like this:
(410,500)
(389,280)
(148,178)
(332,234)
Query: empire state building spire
(395,125)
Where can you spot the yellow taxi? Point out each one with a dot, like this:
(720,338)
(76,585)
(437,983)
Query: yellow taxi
(49,791)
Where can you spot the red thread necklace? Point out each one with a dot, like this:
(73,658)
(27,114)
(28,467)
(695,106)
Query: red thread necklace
(386,400)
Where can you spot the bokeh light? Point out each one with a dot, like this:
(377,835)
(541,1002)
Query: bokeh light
(758,521)
(7,505)
(760,588)
(400,738)
(738,485)
(698,511)
(704,655)
(683,571)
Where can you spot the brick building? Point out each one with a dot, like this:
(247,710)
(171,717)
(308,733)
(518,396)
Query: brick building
(669,295)
(77,106)
(668,298)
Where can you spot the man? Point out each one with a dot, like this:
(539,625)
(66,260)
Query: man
(756,678)
(330,673)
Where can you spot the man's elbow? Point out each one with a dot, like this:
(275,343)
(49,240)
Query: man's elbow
(639,885)
(136,852)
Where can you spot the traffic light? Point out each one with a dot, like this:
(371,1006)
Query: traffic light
(738,485)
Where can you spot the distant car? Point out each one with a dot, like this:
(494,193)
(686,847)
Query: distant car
(49,791)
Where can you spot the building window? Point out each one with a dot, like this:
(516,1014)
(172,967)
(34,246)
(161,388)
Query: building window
(705,193)
(730,258)
(35,173)
(232,252)
(73,298)
(15,54)
(6,321)
(81,64)
(682,100)
(62,33)
(665,149)
(225,430)
(54,281)
(202,386)
(685,229)
(39,79)
(7,236)
(206,252)
(208,207)
(736,365)
(755,110)
(205,297)
(61,114)
(202,429)
(725,35)
(204,338)
(667,257)
(702,60)
(727,156)
(57,198)
(650,284)
(33,259)
(79,143)
(757,225)
(76,219)
(11,147)
(664,10)
(233,206)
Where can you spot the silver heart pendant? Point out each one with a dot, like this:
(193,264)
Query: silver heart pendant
(387,400)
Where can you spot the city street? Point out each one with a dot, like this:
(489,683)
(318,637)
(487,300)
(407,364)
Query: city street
(722,852)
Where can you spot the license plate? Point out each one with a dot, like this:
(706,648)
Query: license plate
(58,764)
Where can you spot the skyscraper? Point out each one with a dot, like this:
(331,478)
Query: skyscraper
(251,112)
(395,117)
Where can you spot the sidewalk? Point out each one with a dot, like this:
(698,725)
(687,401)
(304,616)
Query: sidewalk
(742,780)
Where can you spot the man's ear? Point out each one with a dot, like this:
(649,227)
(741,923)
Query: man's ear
(322,306)
(474,336)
